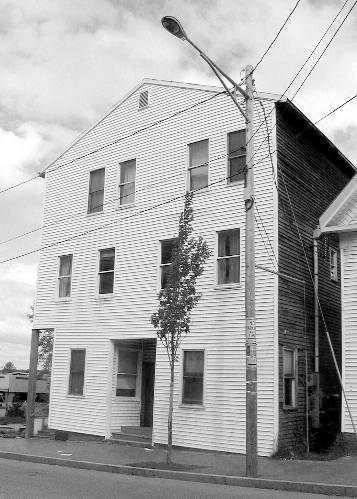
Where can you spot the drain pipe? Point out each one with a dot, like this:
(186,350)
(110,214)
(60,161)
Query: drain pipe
(316,410)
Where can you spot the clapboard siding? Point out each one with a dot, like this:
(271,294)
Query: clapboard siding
(349,326)
(90,322)
(314,174)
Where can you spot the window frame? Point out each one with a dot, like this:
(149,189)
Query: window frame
(294,379)
(189,168)
(204,378)
(105,295)
(161,265)
(137,397)
(58,297)
(229,158)
(119,184)
(70,394)
(217,258)
(141,108)
(333,264)
(90,213)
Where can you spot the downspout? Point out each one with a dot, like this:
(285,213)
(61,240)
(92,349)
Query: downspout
(316,398)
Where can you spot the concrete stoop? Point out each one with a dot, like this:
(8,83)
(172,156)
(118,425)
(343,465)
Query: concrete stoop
(135,436)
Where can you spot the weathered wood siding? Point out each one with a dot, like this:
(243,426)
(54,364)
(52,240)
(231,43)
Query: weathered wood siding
(314,174)
(218,326)
(348,245)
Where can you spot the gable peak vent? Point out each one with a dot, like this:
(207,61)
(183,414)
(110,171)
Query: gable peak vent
(144,99)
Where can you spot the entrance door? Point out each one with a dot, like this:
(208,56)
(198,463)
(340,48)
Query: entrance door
(147,394)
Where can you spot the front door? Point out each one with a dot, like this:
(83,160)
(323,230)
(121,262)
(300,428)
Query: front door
(147,394)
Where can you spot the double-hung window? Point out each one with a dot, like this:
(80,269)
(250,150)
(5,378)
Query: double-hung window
(65,276)
(290,377)
(127,182)
(228,258)
(128,362)
(106,270)
(76,373)
(236,155)
(167,248)
(96,190)
(198,164)
(193,373)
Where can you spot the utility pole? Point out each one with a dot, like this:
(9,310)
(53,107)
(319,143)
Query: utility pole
(250,321)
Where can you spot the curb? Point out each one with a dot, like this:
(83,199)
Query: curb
(259,483)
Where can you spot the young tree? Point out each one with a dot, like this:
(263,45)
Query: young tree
(179,297)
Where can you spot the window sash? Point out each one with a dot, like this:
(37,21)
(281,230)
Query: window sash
(106,271)
(127,182)
(289,378)
(76,372)
(236,155)
(127,375)
(198,164)
(228,258)
(193,377)
(167,248)
(96,190)
(65,276)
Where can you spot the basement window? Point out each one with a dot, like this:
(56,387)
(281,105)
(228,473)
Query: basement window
(290,378)
(333,265)
(144,99)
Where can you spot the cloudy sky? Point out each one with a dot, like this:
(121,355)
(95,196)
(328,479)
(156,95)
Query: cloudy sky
(64,63)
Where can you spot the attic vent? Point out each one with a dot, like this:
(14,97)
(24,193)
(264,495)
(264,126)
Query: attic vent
(144,99)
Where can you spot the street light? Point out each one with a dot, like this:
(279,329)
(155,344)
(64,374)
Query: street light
(173,26)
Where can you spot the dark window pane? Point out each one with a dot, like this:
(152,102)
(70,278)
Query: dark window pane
(236,143)
(288,391)
(106,283)
(64,287)
(228,270)
(198,177)
(107,257)
(167,248)
(236,169)
(128,361)
(96,190)
(193,362)
(228,243)
(289,369)
(192,390)
(126,385)
(165,272)
(65,265)
(76,378)
(198,153)
(76,384)
(127,193)
(127,171)
(95,202)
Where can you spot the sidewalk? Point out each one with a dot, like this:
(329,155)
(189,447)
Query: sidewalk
(329,477)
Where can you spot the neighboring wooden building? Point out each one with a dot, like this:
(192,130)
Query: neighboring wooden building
(112,204)
(339,224)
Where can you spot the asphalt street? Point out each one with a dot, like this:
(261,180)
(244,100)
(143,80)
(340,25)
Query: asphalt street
(40,481)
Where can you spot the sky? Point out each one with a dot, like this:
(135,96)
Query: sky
(64,63)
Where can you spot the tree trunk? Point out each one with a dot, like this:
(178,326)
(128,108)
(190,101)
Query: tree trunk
(169,419)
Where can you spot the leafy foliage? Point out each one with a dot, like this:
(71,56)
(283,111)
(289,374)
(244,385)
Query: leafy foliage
(45,344)
(8,367)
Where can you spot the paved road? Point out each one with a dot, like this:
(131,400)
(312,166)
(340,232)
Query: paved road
(20,480)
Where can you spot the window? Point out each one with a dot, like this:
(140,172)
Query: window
(333,264)
(228,261)
(198,164)
(96,190)
(65,276)
(289,372)
(143,99)
(76,373)
(192,383)
(236,156)
(106,270)
(127,373)
(167,248)
(127,182)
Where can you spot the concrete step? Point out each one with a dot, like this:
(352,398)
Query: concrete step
(132,436)
(137,430)
(133,443)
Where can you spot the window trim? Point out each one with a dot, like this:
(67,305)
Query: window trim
(105,295)
(76,395)
(182,354)
(228,284)
(333,266)
(229,181)
(92,213)
(119,184)
(294,378)
(189,168)
(58,297)
(139,366)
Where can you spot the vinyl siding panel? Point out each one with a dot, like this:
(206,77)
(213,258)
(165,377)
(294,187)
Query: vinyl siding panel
(218,326)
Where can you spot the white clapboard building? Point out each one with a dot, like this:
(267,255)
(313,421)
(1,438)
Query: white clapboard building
(112,205)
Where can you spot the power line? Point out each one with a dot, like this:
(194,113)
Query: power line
(20,183)
(336,109)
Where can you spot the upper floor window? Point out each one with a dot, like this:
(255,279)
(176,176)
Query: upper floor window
(127,182)
(127,376)
(106,270)
(143,99)
(65,276)
(76,372)
(333,264)
(290,377)
(167,247)
(96,190)
(193,371)
(198,164)
(236,156)
(228,258)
